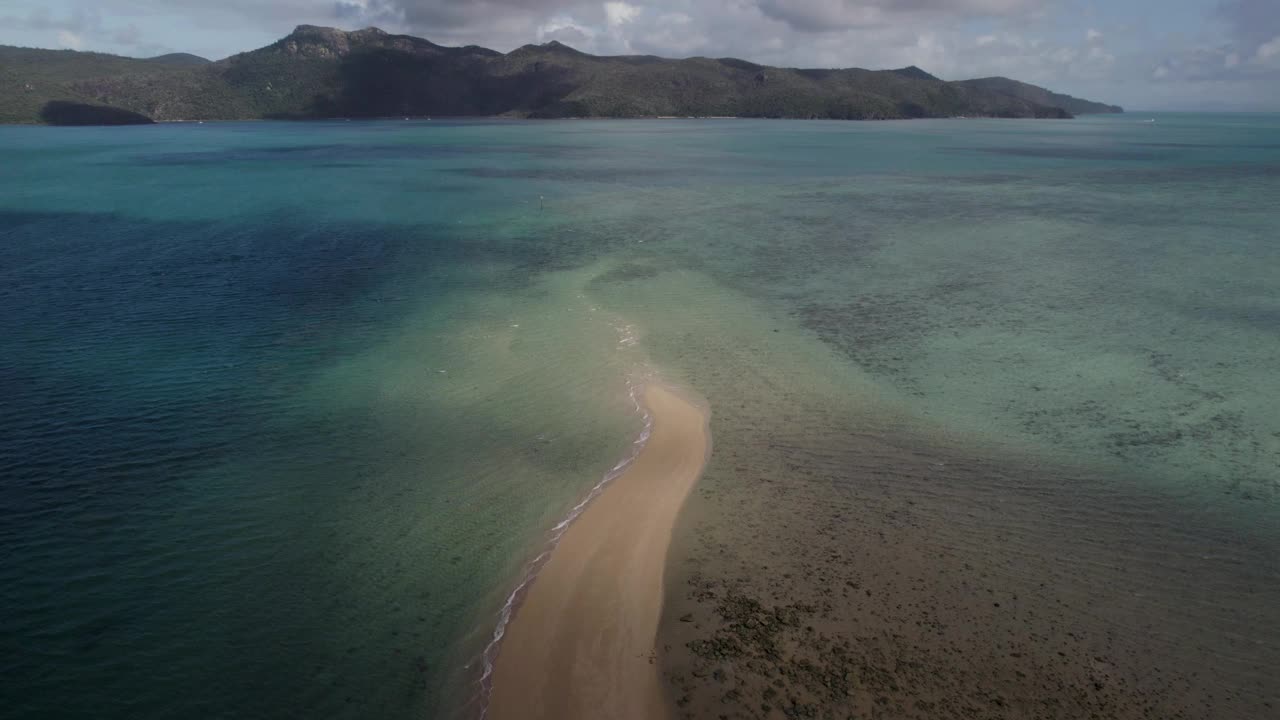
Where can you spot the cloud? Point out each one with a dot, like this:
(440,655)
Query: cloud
(1235,59)
(823,15)
(566,31)
(500,16)
(371,12)
(738,27)
(836,15)
(1225,64)
(620,13)
(126,35)
(1248,53)
(571,35)
(70,40)
(1252,22)
(1269,49)
(82,28)
(78,21)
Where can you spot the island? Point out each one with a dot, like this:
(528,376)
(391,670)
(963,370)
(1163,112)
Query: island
(319,72)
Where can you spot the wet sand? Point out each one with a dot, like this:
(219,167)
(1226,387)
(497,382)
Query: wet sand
(582,644)
(822,571)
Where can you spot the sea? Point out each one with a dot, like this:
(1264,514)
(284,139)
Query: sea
(287,410)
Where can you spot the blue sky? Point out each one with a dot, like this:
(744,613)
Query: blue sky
(1144,54)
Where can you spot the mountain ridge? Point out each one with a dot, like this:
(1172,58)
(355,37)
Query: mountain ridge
(321,72)
(179,58)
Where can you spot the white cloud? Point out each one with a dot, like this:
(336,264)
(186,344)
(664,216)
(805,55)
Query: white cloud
(565,30)
(70,40)
(837,15)
(620,13)
(1093,35)
(673,33)
(1100,56)
(1269,49)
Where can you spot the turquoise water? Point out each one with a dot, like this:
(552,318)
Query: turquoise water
(289,407)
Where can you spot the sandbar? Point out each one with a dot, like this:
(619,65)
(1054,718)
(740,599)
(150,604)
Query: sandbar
(582,644)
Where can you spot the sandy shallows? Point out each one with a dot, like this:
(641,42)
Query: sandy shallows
(582,643)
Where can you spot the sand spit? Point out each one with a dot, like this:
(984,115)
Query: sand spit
(582,644)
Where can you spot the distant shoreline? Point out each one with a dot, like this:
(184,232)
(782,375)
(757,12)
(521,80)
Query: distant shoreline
(512,119)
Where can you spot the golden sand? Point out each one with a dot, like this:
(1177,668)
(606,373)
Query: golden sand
(582,645)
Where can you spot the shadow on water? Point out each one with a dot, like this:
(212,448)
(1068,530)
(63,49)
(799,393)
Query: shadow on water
(341,154)
(62,112)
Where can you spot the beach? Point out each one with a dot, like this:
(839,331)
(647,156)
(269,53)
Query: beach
(582,643)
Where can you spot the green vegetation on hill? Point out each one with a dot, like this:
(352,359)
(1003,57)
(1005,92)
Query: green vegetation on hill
(322,72)
(1040,96)
(179,59)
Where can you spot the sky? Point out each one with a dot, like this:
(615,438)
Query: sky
(1143,54)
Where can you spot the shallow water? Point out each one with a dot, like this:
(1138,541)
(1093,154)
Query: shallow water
(288,407)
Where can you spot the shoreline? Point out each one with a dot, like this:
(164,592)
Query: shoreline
(521,119)
(488,656)
(582,642)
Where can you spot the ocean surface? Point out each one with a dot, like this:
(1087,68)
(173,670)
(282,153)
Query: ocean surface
(287,409)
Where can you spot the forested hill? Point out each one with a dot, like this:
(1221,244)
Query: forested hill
(1040,96)
(319,72)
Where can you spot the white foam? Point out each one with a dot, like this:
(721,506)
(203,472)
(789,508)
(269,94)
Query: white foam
(627,335)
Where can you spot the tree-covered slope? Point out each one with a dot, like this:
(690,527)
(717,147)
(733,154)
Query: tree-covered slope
(179,59)
(322,72)
(1041,96)
(30,78)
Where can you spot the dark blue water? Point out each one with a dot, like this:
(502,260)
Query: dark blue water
(137,354)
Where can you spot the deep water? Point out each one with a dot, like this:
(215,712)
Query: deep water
(285,408)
